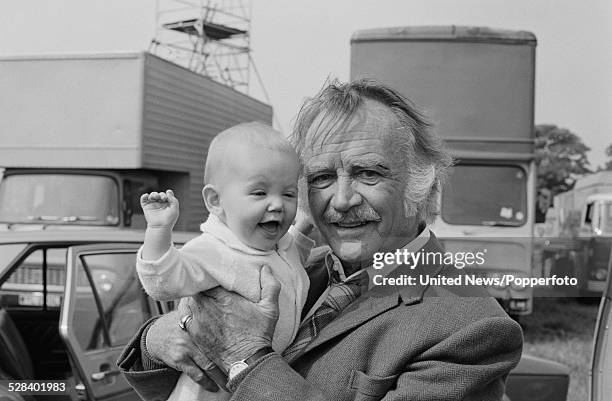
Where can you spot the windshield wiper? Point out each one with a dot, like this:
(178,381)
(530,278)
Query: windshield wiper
(495,223)
(66,219)
(80,218)
(43,218)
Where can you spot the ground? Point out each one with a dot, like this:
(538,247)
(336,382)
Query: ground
(561,329)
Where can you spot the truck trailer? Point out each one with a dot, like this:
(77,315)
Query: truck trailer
(83,136)
(477,86)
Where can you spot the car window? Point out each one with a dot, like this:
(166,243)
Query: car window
(588,216)
(8,252)
(24,286)
(109,300)
(607,218)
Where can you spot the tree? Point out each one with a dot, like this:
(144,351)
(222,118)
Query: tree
(560,158)
(608,165)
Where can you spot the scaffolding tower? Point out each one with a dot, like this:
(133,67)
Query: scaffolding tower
(209,37)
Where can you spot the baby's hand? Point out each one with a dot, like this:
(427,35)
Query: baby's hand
(303,222)
(161,209)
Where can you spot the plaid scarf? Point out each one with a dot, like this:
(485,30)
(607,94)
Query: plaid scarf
(340,295)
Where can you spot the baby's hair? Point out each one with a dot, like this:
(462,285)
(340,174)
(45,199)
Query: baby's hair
(255,134)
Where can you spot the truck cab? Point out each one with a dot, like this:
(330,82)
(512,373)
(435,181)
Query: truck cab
(59,198)
(597,216)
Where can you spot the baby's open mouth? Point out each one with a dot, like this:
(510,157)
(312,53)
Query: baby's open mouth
(271,227)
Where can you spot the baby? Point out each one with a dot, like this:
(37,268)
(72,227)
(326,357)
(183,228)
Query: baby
(250,190)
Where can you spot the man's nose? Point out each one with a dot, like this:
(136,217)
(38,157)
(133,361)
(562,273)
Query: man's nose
(276,204)
(345,196)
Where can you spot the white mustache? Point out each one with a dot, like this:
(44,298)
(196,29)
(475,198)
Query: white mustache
(354,215)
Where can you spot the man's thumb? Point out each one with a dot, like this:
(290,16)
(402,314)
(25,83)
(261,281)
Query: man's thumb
(270,288)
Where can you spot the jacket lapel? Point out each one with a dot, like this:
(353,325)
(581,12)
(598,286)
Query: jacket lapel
(379,300)
(354,315)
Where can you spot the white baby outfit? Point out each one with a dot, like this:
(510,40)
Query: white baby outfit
(218,258)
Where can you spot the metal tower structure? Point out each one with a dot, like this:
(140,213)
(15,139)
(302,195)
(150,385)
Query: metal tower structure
(208,37)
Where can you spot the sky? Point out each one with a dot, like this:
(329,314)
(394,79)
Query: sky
(297,45)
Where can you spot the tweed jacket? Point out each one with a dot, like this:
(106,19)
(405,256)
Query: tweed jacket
(413,342)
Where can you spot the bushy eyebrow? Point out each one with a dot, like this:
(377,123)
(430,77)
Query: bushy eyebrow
(354,164)
(316,168)
(367,163)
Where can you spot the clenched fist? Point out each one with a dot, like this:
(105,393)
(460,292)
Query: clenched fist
(161,209)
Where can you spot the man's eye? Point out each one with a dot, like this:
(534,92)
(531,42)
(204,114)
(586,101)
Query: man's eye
(368,175)
(320,180)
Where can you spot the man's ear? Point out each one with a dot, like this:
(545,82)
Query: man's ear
(212,199)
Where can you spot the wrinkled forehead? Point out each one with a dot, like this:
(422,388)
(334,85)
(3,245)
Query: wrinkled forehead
(371,120)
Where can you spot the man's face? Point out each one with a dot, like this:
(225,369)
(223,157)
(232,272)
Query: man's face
(356,182)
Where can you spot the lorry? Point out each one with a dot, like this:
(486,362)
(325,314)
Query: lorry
(577,234)
(477,86)
(83,136)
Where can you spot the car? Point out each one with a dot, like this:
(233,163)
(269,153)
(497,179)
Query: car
(70,300)
(537,379)
(601,367)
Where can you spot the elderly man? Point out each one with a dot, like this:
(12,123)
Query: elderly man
(372,172)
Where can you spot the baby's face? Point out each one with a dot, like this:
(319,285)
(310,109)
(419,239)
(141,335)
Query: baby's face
(259,197)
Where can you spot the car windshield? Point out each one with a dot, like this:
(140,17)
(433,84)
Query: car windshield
(59,199)
(486,195)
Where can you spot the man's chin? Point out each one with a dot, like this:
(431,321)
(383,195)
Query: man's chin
(354,253)
(350,251)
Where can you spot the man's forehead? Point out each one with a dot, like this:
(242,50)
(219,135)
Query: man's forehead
(371,120)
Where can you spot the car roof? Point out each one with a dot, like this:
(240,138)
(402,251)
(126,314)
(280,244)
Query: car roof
(83,236)
(603,196)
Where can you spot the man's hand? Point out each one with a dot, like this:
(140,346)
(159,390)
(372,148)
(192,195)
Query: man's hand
(174,347)
(229,328)
(161,209)
(303,222)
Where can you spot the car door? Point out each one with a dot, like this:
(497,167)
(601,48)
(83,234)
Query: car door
(104,306)
(601,370)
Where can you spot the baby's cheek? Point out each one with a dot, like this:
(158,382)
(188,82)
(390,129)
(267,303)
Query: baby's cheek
(291,209)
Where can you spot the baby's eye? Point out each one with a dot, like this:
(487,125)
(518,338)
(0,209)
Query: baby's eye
(258,193)
(290,194)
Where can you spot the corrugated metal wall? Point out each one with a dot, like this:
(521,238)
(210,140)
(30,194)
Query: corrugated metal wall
(182,112)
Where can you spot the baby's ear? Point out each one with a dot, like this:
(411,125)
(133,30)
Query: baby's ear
(212,199)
